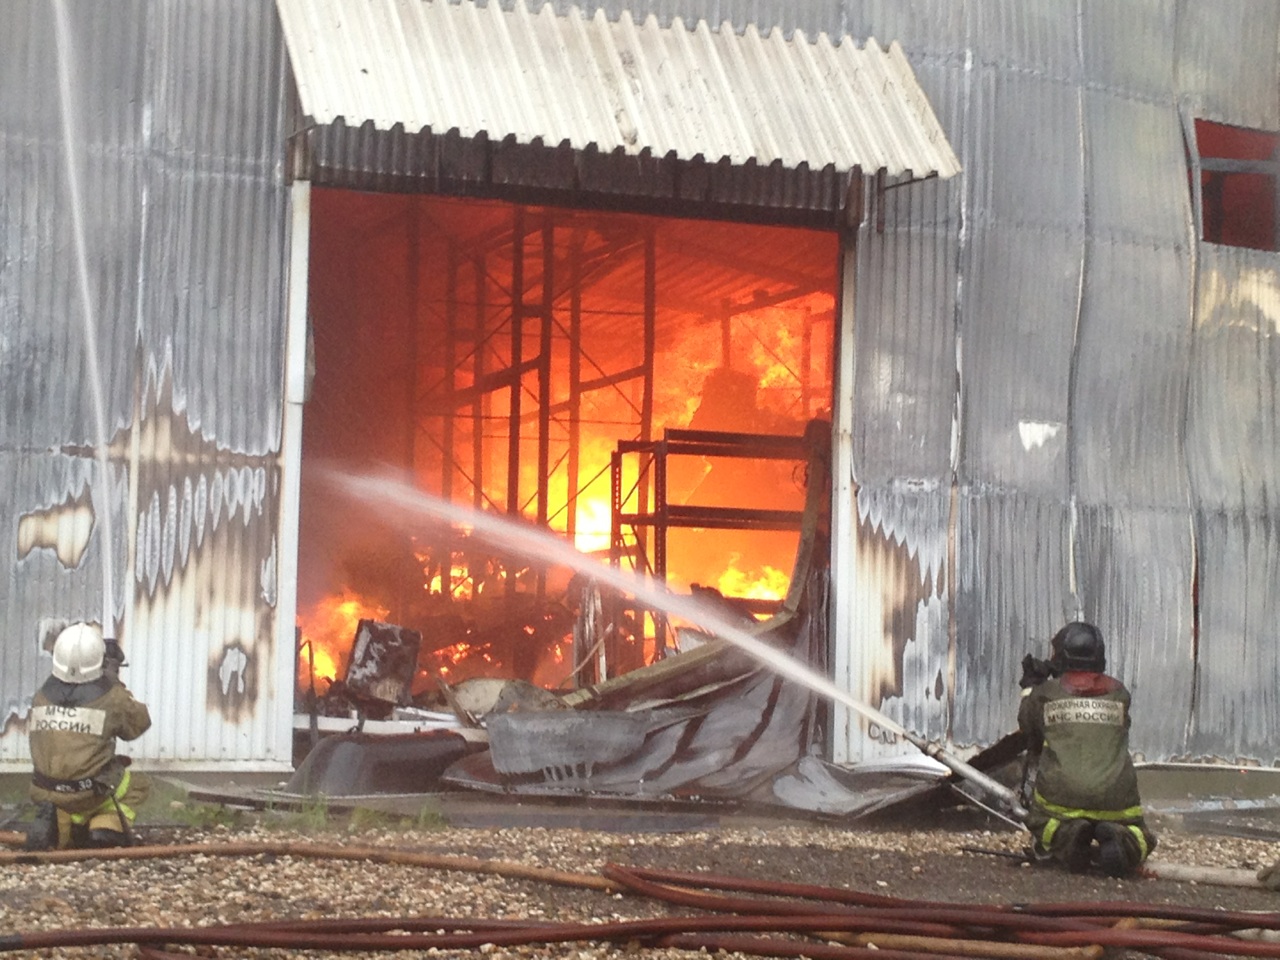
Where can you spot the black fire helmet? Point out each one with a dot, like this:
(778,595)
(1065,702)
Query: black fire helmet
(1079,646)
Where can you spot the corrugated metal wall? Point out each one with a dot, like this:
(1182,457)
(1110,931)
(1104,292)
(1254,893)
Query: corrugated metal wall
(1065,404)
(1227,63)
(177,132)
(1115,449)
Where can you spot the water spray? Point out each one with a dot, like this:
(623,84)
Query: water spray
(522,538)
(71,142)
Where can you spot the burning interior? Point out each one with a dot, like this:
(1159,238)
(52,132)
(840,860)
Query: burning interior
(640,386)
(562,367)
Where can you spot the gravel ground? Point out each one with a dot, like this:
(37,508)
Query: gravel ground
(950,855)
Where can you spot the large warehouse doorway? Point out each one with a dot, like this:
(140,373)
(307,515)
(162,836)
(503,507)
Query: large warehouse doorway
(526,361)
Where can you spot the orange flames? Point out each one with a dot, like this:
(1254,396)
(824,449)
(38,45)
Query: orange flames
(455,654)
(459,587)
(772,361)
(594,525)
(744,328)
(769,583)
(328,630)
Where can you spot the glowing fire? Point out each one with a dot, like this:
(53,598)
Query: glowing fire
(453,655)
(770,584)
(328,630)
(459,586)
(594,525)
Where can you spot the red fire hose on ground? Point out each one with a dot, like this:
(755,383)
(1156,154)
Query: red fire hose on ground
(749,916)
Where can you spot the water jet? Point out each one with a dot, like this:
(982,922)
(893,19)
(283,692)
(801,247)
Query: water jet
(72,150)
(390,490)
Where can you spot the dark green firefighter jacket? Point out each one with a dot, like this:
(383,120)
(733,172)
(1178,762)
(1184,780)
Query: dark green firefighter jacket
(1077,729)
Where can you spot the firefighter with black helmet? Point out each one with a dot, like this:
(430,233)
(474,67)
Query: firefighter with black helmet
(1083,802)
(85,793)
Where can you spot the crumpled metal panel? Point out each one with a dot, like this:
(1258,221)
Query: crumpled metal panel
(722,732)
(628,85)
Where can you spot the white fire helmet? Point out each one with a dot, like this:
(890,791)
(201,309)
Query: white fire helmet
(78,653)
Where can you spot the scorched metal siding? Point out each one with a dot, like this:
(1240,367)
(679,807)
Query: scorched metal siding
(178,133)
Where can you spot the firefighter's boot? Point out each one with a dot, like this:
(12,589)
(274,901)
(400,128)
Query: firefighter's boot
(1118,851)
(1073,844)
(107,838)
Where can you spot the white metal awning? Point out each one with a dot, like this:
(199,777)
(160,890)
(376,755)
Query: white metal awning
(618,87)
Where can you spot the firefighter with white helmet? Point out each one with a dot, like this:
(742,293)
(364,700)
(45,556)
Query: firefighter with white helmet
(86,795)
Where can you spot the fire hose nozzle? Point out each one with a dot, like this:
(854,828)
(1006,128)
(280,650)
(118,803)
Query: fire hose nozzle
(1007,797)
(113,652)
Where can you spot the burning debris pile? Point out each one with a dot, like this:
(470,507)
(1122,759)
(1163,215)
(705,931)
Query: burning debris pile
(689,715)
(473,616)
(392,672)
(477,612)
(386,666)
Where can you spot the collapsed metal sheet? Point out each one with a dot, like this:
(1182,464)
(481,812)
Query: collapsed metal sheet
(857,791)
(357,764)
(722,728)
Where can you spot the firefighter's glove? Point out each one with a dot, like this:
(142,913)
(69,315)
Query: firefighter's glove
(1027,783)
(112,660)
(1269,877)
(1034,672)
